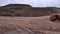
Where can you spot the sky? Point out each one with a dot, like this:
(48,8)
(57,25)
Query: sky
(33,3)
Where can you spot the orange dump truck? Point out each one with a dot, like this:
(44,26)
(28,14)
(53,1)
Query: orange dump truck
(55,17)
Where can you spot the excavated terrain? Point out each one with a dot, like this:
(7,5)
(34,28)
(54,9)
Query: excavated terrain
(28,25)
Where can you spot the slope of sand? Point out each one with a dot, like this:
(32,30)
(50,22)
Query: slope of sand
(28,25)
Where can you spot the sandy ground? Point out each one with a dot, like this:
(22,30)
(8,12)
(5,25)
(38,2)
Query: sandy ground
(28,25)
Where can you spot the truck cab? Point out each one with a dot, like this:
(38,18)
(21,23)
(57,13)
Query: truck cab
(55,17)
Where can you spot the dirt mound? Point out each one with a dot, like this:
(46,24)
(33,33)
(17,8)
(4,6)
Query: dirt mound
(23,10)
(28,25)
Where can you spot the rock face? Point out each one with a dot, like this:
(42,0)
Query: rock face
(23,10)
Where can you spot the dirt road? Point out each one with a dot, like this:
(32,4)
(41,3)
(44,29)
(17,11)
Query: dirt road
(29,25)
